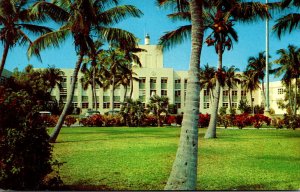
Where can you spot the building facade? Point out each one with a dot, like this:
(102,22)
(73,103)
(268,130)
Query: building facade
(154,78)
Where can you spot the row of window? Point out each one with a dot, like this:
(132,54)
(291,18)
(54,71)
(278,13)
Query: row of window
(226,105)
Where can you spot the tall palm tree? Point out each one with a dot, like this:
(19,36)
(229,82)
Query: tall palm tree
(250,82)
(290,67)
(232,79)
(15,22)
(83,20)
(89,79)
(221,37)
(258,65)
(184,171)
(289,22)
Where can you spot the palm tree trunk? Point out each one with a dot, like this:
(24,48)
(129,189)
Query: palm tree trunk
(184,171)
(113,94)
(229,95)
(295,98)
(94,88)
(251,102)
(4,56)
(63,115)
(263,89)
(131,87)
(125,94)
(211,131)
(290,96)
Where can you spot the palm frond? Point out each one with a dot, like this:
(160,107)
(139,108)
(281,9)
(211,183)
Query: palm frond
(35,29)
(180,16)
(172,38)
(286,23)
(250,11)
(118,13)
(52,39)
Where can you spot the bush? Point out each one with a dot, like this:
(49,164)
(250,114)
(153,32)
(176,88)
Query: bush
(150,120)
(242,120)
(112,120)
(225,120)
(170,119)
(258,119)
(50,120)
(70,120)
(278,122)
(25,157)
(203,120)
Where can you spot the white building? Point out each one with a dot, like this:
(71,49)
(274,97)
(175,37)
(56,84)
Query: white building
(155,79)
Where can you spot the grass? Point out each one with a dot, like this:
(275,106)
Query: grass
(141,158)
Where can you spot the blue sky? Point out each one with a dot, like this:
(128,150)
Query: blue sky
(154,21)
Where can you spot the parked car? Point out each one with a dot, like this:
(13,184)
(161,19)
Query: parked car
(90,113)
(112,112)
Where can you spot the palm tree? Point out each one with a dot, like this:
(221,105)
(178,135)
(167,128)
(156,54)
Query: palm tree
(158,105)
(231,81)
(250,82)
(82,20)
(15,22)
(290,67)
(288,22)
(184,171)
(221,37)
(258,65)
(207,79)
(89,79)
(53,77)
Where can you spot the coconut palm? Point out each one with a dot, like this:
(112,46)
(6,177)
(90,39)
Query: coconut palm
(232,79)
(288,22)
(15,22)
(258,65)
(83,20)
(158,105)
(207,79)
(89,79)
(53,77)
(184,171)
(250,82)
(290,66)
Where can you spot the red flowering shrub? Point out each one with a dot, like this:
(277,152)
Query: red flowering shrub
(86,122)
(170,119)
(96,120)
(113,120)
(258,120)
(203,120)
(50,120)
(242,120)
(150,120)
(70,120)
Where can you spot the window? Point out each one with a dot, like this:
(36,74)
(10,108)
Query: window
(280,91)
(106,105)
(85,105)
(164,80)
(177,93)
(152,92)
(177,84)
(96,104)
(63,91)
(164,92)
(206,92)
(85,98)
(225,93)
(178,105)
(75,105)
(234,105)
(206,105)
(117,105)
(142,83)
(225,105)
(152,80)
(63,98)
(177,81)
(117,98)
(234,93)
(243,93)
(185,83)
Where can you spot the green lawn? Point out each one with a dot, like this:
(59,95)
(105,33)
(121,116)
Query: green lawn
(141,158)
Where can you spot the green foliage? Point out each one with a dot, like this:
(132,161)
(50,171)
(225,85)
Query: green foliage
(244,107)
(259,109)
(222,110)
(277,122)
(25,151)
(133,112)
(291,121)
(172,109)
